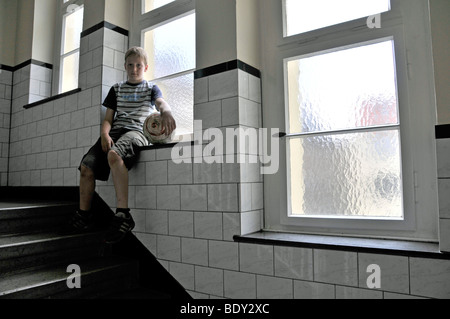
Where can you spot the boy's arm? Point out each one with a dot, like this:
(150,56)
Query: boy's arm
(107,142)
(168,122)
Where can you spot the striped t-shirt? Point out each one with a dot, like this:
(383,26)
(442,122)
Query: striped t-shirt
(133,103)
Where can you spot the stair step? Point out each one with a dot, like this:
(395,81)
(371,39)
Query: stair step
(99,276)
(34,251)
(22,217)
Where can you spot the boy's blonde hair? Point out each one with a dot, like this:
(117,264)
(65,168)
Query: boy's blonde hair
(138,51)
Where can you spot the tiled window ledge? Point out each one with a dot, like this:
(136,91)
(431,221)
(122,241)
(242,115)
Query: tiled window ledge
(167,145)
(157,146)
(363,245)
(54,97)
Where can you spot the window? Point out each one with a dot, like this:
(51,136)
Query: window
(149,5)
(354,151)
(344,134)
(71,26)
(306,15)
(171,53)
(172,60)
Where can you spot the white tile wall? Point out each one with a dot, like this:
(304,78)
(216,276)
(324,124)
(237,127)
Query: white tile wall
(343,292)
(239,285)
(268,287)
(430,277)
(394,274)
(45,140)
(295,263)
(40,83)
(194,251)
(209,280)
(336,267)
(443,156)
(256,259)
(183,273)
(313,290)
(168,248)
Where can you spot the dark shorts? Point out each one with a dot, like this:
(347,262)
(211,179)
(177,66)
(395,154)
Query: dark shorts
(126,144)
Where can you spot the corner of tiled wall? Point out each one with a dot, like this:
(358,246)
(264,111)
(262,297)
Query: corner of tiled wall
(232,100)
(101,59)
(6,81)
(32,83)
(443,157)
(40,83)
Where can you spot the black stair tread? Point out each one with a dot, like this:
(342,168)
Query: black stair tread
(21,253)
(40,237)
(53,274)
(24,203)
(9,212)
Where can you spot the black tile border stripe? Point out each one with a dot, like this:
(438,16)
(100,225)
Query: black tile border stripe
(227,66)
(442,131)
(24,64)
(6,68)
(107,25)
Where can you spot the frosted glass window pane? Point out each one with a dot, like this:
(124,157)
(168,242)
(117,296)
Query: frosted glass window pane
(73,25)
(150,5)
(345,89)
(308,15)
(70,67)
(178,92)
(347,175)
(171,47)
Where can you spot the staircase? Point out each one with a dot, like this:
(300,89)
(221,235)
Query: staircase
(36,250)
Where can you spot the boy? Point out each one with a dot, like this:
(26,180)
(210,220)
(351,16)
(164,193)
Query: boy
(128,105)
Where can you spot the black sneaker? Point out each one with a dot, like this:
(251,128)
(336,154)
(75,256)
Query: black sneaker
(121,224)
(82,221)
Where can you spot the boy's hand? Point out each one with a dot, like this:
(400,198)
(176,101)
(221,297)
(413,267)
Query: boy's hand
(168,123)
(107,143)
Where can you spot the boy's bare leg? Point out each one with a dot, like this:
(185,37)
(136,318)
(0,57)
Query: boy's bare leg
(120,178)
(87,188)
(123,222)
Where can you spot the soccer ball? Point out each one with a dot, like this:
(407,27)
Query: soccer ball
(152,130)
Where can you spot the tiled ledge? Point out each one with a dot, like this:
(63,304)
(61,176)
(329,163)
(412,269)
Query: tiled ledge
(54,97)
(363,245)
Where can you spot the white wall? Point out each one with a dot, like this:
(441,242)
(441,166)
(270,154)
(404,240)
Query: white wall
(44,30)
(8,16)
(216,42)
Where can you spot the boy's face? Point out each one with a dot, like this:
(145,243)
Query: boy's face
(135,67)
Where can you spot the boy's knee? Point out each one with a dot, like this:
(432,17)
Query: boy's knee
(86,172)
(113,158)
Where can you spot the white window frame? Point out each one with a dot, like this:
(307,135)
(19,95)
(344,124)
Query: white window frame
(61,12)
(408,24)
(146,21)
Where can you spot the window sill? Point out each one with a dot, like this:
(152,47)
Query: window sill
(363,245)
